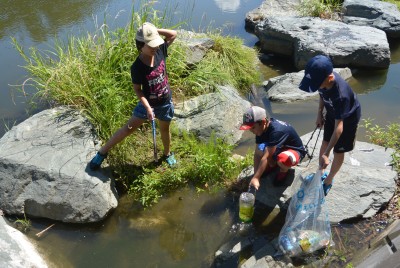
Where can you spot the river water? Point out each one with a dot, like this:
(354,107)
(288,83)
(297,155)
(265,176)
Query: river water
(186,228)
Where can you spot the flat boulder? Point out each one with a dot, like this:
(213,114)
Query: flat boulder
(301,38)
(44,170)
(378,14)
(271,8)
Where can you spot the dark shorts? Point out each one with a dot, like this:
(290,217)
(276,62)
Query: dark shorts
(348,137)
(164,112)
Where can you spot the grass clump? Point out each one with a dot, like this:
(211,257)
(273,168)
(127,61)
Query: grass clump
(325,9)
(388,137)
(23,224)
(92,74)
(227,62)
(205,165)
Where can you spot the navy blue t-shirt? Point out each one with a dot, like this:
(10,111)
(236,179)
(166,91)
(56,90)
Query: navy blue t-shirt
(154,80)
(340,101)
(283,136)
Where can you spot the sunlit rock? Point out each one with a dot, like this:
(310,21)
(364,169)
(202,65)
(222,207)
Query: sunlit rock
(44,169)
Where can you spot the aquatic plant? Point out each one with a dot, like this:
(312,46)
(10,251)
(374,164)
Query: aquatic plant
(23,224)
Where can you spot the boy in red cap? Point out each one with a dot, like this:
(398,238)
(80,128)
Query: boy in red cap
(277,145)
(343,112)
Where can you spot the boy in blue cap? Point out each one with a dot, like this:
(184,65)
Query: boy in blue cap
(277,145)
(343,113)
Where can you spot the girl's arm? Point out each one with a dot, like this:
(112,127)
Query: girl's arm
(169,35)
(139,93)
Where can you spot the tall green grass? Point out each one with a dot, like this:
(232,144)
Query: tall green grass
(92,74)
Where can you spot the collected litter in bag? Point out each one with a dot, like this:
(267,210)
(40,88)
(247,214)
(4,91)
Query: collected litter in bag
(307,227)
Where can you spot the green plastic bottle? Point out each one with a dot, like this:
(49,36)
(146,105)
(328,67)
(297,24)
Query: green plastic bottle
(246,207)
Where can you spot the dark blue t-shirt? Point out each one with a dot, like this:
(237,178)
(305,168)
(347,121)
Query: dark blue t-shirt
(283,136)
(340,101)
(154,80)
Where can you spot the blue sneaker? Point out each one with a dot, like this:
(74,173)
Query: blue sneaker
(170,159)
(328,187)
(95,163)
(324,176)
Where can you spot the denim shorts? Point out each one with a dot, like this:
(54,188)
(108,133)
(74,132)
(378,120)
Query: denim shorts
(164,112)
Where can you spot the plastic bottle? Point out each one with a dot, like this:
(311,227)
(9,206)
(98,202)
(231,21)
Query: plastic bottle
(289,244)
(246,206)
(310,241)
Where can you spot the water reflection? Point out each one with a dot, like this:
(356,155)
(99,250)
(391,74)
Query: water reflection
(228,5)
(41,19)
(364,81)
(395,51)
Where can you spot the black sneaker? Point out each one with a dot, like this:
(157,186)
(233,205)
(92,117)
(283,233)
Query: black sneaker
(95,163)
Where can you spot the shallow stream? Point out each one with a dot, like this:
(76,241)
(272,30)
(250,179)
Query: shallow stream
(186,228)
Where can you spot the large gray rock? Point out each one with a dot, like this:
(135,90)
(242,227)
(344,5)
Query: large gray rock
(16,250)
(302,38)
(378,14)
(220,113)
(44,172)
(285,88)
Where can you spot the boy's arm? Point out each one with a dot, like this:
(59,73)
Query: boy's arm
(255,181)
(320,116)
(169,35)
(337,132)
(139,93)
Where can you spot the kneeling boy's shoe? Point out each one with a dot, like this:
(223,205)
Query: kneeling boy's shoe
(280,178)
(95,163)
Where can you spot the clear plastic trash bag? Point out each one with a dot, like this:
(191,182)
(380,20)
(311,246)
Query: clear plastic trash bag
(307,227)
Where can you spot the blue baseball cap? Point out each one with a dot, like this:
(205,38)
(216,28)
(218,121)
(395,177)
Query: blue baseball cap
(317,70)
